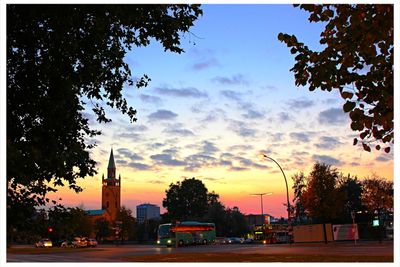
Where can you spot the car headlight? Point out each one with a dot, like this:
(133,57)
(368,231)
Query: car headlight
(169,241)
(158,241)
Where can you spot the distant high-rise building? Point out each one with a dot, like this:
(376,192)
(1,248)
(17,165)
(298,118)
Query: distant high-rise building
(146,212)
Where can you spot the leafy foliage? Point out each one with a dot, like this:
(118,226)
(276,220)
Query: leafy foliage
(190,200)
(128,226)
(102,229)
(357,60)
(186,200)
(377,194)
(351,189)
(69,222)
(299,187)
(322,199)
(59,59)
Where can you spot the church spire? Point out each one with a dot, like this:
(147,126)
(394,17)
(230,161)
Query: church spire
(111,167)
(111,162)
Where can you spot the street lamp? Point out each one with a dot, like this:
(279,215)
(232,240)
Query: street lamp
(287,189)
(261,195)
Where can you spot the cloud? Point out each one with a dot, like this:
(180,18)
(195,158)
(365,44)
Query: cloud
(162,114)
(154,146)
(238,169)
(233,95)
(181,92)
(284,117)
(330,101)
(237,79)
(327,142)
(300,137)
(139,166)
(241,129)
(245,131)
(209,147)
(128,154)
(249,163)
(327,160)
(179,132)
(140,128)
(167,160)
(197,161)
(253,114)
(240,147)
(121,162)
(171,151)
(298,104)
(205,64)
(128,135)
(157,182)
(275,137)
(332,116)
(383,158)
(150,99)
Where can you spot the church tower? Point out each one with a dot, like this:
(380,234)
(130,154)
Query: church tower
(111,190)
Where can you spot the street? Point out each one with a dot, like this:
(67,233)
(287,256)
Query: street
(107,253)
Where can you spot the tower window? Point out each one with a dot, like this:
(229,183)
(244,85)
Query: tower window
(108,204)
(116,204)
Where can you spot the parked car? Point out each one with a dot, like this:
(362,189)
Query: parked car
(235,240)
(66,244)
(44,243)
(79,242)
(91,242)
(248,240)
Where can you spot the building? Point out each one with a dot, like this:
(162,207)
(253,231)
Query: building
(110,195)
(146,212)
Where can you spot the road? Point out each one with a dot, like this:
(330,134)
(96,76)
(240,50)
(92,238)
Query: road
(117,254)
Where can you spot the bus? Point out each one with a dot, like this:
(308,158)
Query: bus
(186,233)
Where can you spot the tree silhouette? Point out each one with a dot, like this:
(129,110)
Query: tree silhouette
(357,60)
(186,200)
(60,58)
(322,199)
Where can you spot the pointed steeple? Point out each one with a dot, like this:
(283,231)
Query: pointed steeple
(111,162)
(111,169)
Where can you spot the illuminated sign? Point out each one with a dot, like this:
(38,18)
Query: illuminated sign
(258,233)
(375,223)
(191,228)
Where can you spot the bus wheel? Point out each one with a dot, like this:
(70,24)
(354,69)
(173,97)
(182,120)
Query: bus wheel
(180,243)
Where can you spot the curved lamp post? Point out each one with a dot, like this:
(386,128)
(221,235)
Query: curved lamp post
(287,189)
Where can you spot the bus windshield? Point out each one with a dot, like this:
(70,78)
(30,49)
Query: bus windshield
(164,231)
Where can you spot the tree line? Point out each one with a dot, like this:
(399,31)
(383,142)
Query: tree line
(327,196)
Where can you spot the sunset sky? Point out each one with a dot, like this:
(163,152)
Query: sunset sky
(209,113)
